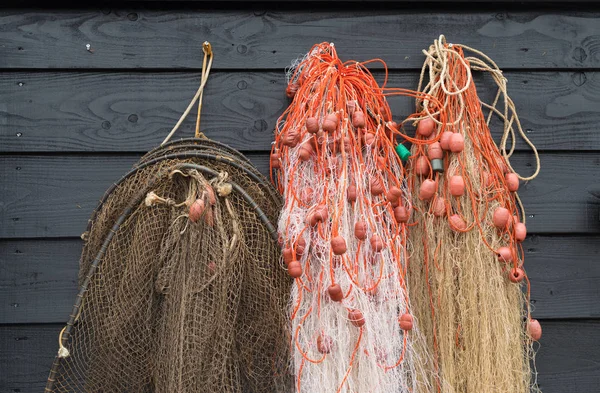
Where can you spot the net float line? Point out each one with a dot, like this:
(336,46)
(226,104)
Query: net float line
(343,230)
(469,287)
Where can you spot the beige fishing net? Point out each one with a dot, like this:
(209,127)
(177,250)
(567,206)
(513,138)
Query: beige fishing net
(181,288)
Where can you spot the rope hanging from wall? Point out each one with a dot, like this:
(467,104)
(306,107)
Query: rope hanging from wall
(180,288)
(469,288)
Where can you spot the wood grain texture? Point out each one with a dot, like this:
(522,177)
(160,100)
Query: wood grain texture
(568,360)
(243,39)
(132,112)
(38,278)
(53,196)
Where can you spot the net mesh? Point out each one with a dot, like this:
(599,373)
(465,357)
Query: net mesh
(171,302)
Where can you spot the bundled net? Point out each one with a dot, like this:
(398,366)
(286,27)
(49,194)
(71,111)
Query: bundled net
(469,288)
(343,231)
(180,287)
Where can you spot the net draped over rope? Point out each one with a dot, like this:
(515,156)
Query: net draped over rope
(180,284)
(343,231)
(466,272)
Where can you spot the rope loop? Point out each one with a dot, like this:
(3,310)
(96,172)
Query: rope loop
(206,66)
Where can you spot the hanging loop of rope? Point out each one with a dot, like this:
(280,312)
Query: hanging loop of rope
(436,63)
(206,66)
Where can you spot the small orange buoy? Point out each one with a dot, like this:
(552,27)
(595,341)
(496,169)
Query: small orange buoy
(401,214)
(212,267)
(445,140)
(288,255)
(457,143)
(351,194)
(376,186)
(425,127)
(512,181)
(196,210)
(320,213)
(330,124)
(520,232)
(422,166)
(324,343)
(358,119)
(351,105)
(300,246)
(457,185)
(291,138)
(439,207)
(504,254)
(356,317)
(306,195)
(377,243)
(393,194)
(427,190)
(210,193)
(305,151)
(406,322)
(516,275)
(501,217)
(369,138)
(295,269)
(291,90)
(312,125)
(457,223)
(347,145)
(434,151)
(534,329)
(275,163)
(360,230)
(338,245)
(335,292)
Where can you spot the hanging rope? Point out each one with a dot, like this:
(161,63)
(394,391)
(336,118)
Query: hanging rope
(208,54)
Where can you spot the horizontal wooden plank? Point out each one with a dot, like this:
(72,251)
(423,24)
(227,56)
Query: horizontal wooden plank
(568,360)
(78,112)
(53,196)
(246,39)
(38,278)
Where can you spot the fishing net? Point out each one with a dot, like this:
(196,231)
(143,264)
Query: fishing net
(467,279)
(343,231)
(180,284)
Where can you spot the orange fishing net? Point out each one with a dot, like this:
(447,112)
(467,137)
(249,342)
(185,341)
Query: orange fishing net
(343,231)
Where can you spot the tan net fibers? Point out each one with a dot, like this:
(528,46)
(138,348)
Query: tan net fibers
(466,273)
(181,287)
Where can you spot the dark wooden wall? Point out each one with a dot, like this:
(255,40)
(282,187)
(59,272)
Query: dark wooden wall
(72,121)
